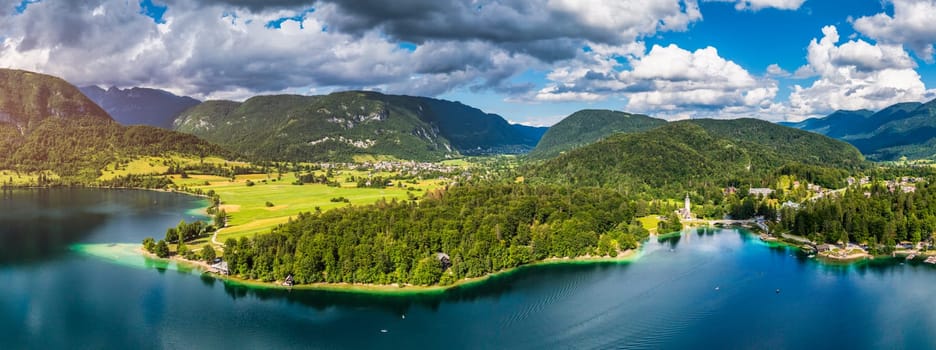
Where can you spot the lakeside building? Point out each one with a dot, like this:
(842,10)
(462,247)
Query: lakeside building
(685,213)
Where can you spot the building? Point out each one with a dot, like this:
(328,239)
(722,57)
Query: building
(760,191)
(685,213)
(445,260)
(221,268)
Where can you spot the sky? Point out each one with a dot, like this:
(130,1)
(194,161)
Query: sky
(532,61)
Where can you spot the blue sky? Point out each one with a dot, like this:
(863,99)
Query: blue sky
(533,62)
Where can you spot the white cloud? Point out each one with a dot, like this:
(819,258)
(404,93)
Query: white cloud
(223,48)
(854,75)
(667,81)
(630,18)
(911,25)
(774,70)
(757,5)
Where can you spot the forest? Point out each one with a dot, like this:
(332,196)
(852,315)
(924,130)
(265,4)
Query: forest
(481,229)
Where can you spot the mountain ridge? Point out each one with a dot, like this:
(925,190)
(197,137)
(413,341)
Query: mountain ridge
(906,129)
(48,124)
(341,125)
(578,129)
(140,106)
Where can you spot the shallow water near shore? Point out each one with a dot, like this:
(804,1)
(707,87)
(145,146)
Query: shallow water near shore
(713,288)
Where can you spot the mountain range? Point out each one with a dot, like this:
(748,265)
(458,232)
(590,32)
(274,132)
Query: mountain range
(140,106)
(48,124)
(901,130)
(338,126)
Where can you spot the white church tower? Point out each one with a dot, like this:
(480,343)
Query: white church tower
(687,211)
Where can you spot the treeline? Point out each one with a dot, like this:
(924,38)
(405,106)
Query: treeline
(137,181)
(479,229)
(874,216)
(179,235)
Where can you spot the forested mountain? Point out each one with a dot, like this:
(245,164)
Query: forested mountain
(587,126)
(48,124)
(838,124)
(140,106)
(904,129)
(341,125)
(698,153)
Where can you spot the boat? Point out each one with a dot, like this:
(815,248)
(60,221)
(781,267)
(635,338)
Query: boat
(930,260)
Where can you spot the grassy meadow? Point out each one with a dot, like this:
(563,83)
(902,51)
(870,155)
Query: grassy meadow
(272,199)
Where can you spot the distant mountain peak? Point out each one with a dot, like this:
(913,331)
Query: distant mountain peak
(902,129)
(140,106)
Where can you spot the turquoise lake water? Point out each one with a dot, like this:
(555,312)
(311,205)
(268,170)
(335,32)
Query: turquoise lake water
(714,289)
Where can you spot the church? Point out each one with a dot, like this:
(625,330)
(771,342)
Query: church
(685,213)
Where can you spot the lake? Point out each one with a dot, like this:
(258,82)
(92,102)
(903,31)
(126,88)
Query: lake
(703,289)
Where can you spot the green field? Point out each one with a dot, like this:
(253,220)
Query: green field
(16,178)
(155,165)
(649,222)
(249,213)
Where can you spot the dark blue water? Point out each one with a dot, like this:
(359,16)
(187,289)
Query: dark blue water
(52,297)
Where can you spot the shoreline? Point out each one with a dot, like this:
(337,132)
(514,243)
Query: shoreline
(626,256)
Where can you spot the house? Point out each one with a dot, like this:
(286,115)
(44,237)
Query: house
(760,191)
(791,204)
(445,260)
(825,247)
(288,282)
(221,268)
(850,180)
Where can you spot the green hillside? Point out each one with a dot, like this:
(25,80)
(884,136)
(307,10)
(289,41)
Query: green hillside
(901,130)
(338,126)
(587,126)
(689,154)
(47,124)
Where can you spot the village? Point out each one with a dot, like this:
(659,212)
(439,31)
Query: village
(838,251)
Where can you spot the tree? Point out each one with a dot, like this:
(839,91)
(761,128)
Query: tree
(208,253)
(427,271)
(149,244)
(162,249)
(220,218)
